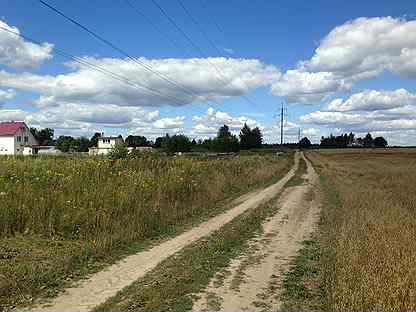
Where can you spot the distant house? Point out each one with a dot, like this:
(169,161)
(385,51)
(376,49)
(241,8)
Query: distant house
(105,144)
(16,139)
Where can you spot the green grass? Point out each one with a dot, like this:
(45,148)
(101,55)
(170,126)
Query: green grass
(39,261)
(172,285)
(297,179)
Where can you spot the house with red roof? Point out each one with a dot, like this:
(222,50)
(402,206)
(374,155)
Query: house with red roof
(16,139)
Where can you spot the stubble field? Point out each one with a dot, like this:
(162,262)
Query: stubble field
(367,248)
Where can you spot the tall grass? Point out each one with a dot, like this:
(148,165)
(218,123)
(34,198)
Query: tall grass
(59,217)
(373,228)
(111,201)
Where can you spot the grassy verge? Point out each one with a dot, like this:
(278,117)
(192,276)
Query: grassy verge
(297,179)
(34,266)
(172,285)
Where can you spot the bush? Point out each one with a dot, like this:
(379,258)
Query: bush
(119,151)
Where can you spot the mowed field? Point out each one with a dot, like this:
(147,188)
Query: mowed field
(61,218)
(366,252)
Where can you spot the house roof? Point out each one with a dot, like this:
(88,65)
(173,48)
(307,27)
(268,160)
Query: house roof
(10,128)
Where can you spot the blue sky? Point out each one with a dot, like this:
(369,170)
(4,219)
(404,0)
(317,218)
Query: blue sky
(276,34)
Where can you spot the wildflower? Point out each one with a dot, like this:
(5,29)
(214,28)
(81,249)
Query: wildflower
(3,194)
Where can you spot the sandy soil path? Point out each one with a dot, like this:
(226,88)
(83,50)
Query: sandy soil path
(105,284)
(253,281)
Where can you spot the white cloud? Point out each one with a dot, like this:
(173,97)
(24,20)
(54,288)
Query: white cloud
(299,86)
(366,46)
(170,123)
(18,53)
(6,95)
(371,100)
(210,122)
(78,119)
(12,115)
(386,120)
(358,50)
(200,80)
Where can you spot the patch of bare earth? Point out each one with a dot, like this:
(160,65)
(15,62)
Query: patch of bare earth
(254,280)
(103,285)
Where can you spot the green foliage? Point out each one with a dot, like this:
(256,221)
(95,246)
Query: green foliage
(225,141)
(118,151)
(250,138)
(137,141)
(380,142)
(43,136)
(94,139)
(305,143)
(158,142)
(69,144)
(176,143)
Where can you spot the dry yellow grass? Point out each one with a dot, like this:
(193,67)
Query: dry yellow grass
(373,227)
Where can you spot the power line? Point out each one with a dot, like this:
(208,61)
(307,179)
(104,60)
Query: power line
(155,26)
(98,68)
(192,43)
(211,42)
(121,51)
(140,13)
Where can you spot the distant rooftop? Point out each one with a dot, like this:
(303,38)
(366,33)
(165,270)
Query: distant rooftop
(10,127)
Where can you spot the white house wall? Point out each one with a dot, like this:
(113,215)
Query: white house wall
(7,145)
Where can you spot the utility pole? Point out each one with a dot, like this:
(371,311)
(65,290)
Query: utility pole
(281,126)
(299,135)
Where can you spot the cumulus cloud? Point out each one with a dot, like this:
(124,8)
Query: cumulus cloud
(372,100)
(299,86)
(19,53)
(6,95)
(358,50)
(194,81)
(79,119)
(209,123)
(366,47)
(386,120)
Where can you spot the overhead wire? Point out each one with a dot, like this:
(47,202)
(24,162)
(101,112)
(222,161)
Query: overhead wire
(98,68)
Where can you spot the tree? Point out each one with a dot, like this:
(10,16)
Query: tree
(43,136)
(305,143)
(66,144)
(257,138)
(245,137)
(380,142)
(368,140)
(118,151)
(225,141)
(94,139)
(83,144)
(69,144)
(250,138)
(136,141)
(176,143)
(224,132)
(158,142)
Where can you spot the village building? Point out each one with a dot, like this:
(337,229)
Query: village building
(16,139)
(105,144)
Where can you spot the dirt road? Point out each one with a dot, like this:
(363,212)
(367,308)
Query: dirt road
(253,281)
(105,284)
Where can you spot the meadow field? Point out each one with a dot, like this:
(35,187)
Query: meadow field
(365,254)
(61,218)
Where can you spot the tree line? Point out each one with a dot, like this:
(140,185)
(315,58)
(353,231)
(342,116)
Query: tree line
(350,140)
(224,141)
